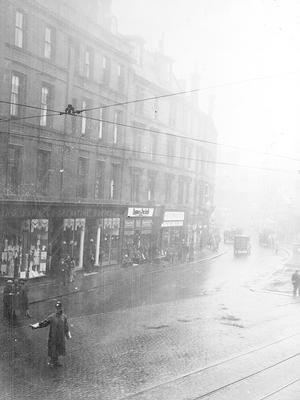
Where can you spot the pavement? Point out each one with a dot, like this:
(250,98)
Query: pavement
(53,288)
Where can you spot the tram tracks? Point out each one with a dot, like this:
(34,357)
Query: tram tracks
(146,392)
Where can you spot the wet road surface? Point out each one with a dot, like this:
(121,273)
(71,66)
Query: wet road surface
(151,330)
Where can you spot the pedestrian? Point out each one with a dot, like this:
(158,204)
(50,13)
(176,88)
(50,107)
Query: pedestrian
(72,269)
(24,303)
(59,330)
(296,283)
(8,299)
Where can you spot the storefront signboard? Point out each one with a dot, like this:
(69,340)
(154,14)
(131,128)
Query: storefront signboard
(174,216)
(167,224)
(140,212)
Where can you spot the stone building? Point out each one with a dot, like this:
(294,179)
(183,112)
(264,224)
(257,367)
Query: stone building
(111,178)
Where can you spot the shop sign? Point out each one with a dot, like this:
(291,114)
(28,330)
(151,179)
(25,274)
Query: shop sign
(174,216)
(140,212)
(167,224)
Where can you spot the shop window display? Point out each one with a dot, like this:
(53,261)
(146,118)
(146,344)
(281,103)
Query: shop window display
(72,232)
(24,248)
(110,238)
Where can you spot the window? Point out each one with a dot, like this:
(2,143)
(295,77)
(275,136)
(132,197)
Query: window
(82,182)
(137,146)
(49,44)
(15,94)
(156,109)
(183,154)
(114,181)
(83,118)
(180,189)
(19,29)
(189,157)
(170,151)
(43,171)
(187,191)
(168,187)
(151,185)
(45,102)
(139,105)
(153,146)
(135,185)
(14,170)
(100,129)
(115,136)
(120,77)
(173,111)
(87,64)
(117,127)
(99,179)
(74,120)
(106,69)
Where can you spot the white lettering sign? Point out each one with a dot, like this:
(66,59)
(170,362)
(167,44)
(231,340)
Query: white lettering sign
(140,212)
(174,216)
(167,224)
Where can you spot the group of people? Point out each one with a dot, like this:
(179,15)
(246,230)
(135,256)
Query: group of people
(15,299)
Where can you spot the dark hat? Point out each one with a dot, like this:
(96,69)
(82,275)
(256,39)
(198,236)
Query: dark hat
(58,304)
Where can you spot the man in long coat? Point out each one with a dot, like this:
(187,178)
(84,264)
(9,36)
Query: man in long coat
(59,330)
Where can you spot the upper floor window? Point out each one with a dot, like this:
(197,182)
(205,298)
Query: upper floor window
(15,95)
(83,118)
(121,77)
(139,105)
(87,64)
(43,171)
(14,169)
(19,29)
(153,147)
(170,151)
(82,181)
(106,69)
(101,124)
(116,128)
(48,43)
(135,185)
(151,185)
(45,103)
(115,181)
(99,179)
(168,187)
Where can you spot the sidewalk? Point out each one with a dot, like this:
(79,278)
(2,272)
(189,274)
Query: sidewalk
(48,288)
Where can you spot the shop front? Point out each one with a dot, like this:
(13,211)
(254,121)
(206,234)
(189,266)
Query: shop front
(35,237)
(138,234)
(173,235)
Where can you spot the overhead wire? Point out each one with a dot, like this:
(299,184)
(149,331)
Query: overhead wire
(156,131)
(124,149)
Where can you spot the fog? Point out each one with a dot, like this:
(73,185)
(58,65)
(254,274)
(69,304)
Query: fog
(247,56)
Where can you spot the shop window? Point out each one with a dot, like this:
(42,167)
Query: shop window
(73,235)
(43,171)
(110,240)
(14,171)
(24,250)
(82,178)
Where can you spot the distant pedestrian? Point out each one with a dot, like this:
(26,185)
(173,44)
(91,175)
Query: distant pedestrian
(59,330)
(24,303)
(8,299)
(296,283)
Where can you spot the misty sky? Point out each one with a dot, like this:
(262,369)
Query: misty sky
(229,41)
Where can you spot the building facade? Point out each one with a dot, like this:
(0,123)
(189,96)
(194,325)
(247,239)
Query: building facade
(106,176)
